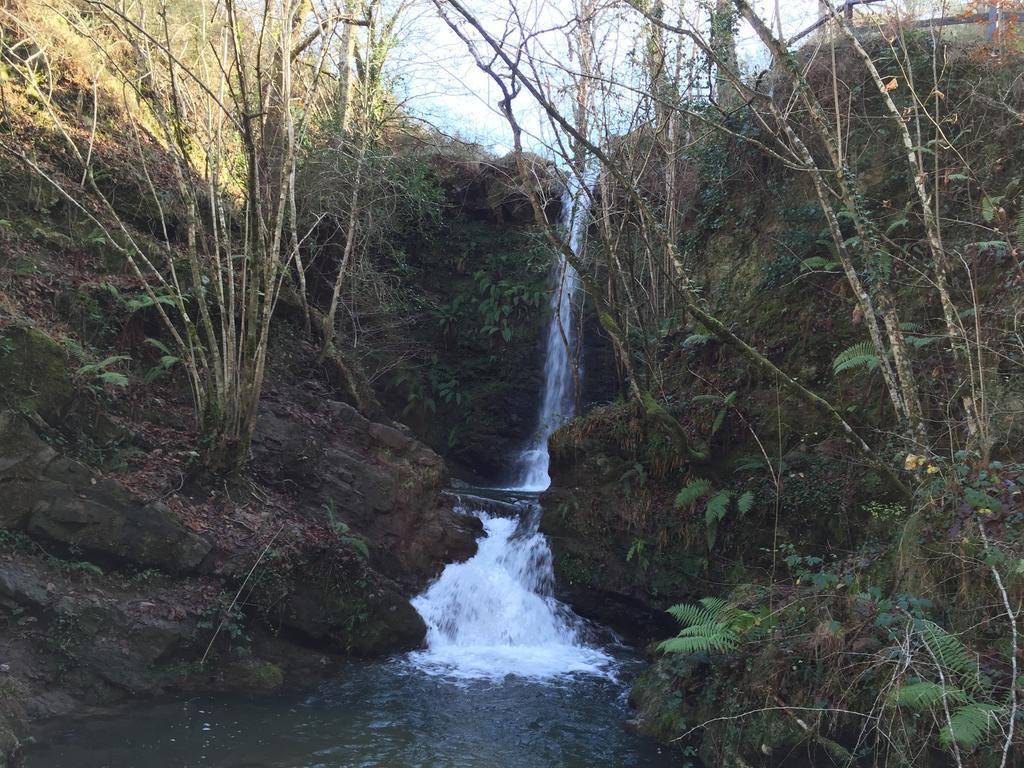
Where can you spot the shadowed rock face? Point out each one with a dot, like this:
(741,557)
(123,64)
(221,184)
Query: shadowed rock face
(56,498)
(376,478)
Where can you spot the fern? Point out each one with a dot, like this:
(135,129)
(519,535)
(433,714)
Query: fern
(969,725)
(1020,225)
(707,627)
(745,502)
(950,653)
(924,694)
(100,373)
(706,611)
(817,263)
(860,355)
(720,416)
(712,625)
(694,490)
(714,513)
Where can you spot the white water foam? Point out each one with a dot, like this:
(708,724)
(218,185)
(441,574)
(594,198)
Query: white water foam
(495,615)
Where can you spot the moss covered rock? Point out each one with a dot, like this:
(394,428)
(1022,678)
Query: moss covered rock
(35,374)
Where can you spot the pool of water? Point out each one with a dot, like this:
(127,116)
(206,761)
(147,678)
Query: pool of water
(385,714)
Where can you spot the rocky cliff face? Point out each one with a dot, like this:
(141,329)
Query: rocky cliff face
(108,588)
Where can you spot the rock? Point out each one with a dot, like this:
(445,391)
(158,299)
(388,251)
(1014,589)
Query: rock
(24,586)
(344,606)
(390,437)
(34,374)
(373,477)
(113,525)
(253,675)
(57,498)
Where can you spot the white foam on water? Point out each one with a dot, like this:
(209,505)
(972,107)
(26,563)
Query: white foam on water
(495,614)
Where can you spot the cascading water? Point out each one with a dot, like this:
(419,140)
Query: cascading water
(558,399)
(496,614)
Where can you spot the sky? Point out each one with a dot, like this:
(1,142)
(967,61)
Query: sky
(442,86)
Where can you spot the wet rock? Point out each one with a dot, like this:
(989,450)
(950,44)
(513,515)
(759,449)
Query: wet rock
(57,498)
(253,675)
(23,586)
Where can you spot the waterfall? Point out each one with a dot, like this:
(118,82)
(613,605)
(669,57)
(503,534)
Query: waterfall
(496,614)
(558,399)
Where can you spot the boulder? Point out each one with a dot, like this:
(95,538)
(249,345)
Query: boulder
(373,477)
(34,374)
(54,497)
(336,601)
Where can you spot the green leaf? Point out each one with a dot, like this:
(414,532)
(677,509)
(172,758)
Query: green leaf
(896,225)
(816,263)
(860,355)
(694,490)
(714,513)
(924,694)
(113,378)
(745,502)
(718,506)
(988,210)
(969,725)
(695,340)
(160,346)
(358,544)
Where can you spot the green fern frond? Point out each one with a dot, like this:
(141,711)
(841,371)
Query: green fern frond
(924,694)
(1020,225)
(717,506)
(708,611)
(952,654)
(358,544)
(708,626)
(969,725)
(714,513)
(745,502)
(694,490)
(750,464)
(860,355)
(721,640)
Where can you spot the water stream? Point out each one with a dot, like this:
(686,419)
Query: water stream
(562,359)
(496,615)
(510,676)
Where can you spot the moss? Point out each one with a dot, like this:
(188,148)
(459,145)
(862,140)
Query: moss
(575,570)
(35,374)
(255,674)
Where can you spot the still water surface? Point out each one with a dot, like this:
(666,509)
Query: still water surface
(384,714)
